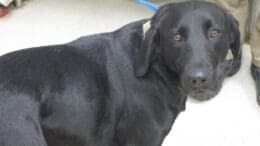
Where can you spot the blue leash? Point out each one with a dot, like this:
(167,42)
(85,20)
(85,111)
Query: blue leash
(149,5)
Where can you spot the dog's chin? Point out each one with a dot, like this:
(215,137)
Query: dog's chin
(202,96)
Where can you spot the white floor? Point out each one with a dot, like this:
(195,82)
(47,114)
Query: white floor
(230,119)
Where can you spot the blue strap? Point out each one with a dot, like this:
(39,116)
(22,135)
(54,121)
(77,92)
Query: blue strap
(149,5)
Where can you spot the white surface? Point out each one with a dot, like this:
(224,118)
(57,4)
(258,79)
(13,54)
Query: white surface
(5,2)
(230,119)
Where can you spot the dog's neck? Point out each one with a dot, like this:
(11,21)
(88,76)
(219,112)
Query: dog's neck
(172,82)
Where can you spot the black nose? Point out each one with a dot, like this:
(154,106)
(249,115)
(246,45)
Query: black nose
(198,79)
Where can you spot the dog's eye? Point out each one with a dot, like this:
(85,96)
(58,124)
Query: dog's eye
(215,34)
(176,37)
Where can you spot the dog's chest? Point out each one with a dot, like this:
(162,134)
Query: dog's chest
(148,114)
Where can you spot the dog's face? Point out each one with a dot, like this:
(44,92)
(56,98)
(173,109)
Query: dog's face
(193,40)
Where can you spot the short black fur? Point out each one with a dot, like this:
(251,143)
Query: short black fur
(112,89)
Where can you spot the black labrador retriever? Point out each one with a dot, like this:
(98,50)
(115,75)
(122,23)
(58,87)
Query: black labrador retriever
(123,88)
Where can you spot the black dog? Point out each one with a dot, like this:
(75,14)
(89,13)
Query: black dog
(123,88)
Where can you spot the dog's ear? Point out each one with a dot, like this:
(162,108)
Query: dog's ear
(151,41)
(234,37)
(145,54)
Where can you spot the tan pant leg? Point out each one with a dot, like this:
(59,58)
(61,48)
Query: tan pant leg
(240,10)
(162,2)
(255,37)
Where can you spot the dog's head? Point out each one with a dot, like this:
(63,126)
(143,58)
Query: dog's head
(193,39)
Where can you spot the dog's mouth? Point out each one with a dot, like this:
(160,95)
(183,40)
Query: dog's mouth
(202,95)
(203,92)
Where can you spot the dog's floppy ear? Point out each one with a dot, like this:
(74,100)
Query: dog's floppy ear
(144,55)
(150,42)
(234,37)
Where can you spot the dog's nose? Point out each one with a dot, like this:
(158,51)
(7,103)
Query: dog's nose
(198,79)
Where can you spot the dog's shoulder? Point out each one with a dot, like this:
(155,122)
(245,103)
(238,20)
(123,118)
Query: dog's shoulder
(45,66)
